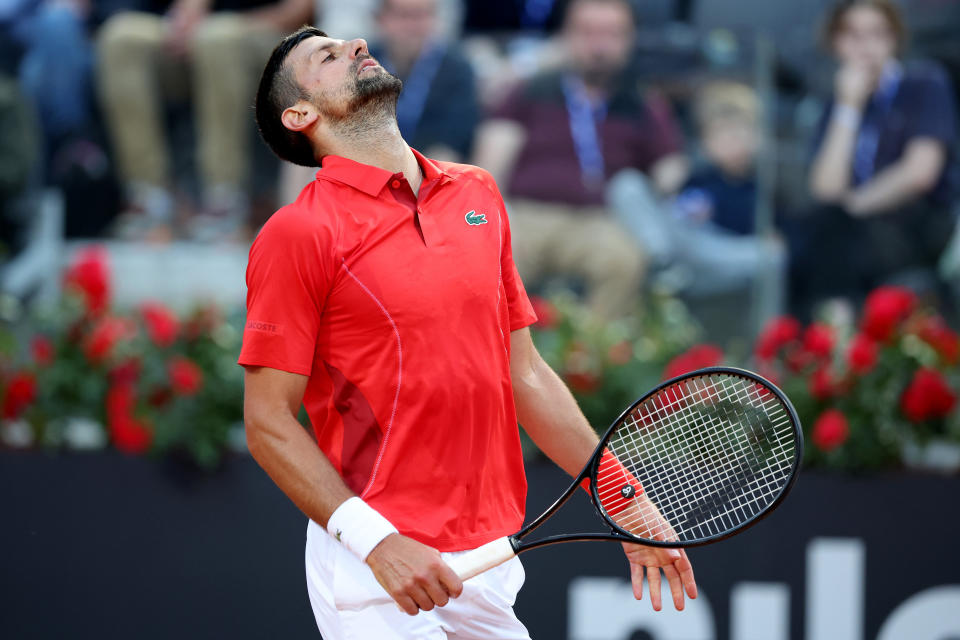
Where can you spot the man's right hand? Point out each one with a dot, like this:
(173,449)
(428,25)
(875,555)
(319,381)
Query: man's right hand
(853,85)
(414,575)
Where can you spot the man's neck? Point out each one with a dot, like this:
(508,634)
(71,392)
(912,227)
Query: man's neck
(379,144)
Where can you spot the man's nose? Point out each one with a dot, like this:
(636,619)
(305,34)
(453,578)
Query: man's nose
(357,47)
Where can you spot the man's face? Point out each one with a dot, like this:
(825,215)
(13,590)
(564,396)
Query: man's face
(341,77)
(406,25)
(599,38)
(865,39)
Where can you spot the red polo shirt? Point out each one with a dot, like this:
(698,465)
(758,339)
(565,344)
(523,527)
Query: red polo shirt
(399,308)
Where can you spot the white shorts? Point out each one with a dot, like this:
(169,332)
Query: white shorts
(349,603)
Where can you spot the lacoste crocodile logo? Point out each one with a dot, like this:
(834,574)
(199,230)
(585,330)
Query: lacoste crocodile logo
(473,218)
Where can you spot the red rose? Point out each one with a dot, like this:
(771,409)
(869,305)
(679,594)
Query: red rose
(89,275)
(798,359)
(884,310)
(547,315)
(830,430)
(99,344)
(862,354)
(162,325)
(126,372)
(186,378)
(935,332)
(42,351)
(818,340)
(21,392)
(127,433)
(822,385)
(696,357)
(779,332)
(583,381)
(928,396)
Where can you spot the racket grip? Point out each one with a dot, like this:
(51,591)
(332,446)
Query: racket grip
(482,558)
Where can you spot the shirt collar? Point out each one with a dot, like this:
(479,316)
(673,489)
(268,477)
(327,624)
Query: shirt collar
(370,179)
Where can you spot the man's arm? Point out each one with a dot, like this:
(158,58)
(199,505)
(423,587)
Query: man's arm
(412,573)
(550,416)
(498,146)
(910,177)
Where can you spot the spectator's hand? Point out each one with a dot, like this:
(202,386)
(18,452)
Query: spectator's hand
(182,20)
(854,84)
(414,575)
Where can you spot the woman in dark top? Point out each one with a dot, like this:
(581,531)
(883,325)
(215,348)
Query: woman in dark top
(883,172)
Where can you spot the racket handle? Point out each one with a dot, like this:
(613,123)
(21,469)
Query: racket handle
(482,558)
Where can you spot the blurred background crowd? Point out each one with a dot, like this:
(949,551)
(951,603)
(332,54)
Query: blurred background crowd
(781,156)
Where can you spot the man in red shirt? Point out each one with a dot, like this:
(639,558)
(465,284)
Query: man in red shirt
(386,301)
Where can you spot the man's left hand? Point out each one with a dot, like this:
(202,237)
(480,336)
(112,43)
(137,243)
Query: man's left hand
(675,565)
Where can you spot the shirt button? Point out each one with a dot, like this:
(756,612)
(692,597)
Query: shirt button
(395,184)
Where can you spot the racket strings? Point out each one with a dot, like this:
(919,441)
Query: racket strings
(711,452)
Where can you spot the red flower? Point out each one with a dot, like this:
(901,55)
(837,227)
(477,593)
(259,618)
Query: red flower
(42,351)
(798,359)
(128,434)
(21,392)
(884,310)
(822,385)
(778,332)
(99,344)
(862,354)
(927,396)
(830,430)
(186,378)
(126,372)
(89,275)
(696,357)
(818,341)
(935,332)
(547,315)
(162,325)
(583,381)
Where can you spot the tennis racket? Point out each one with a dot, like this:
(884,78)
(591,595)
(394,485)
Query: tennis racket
(697,459)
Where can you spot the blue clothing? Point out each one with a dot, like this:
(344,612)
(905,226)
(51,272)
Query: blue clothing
(730,201)
(920,104)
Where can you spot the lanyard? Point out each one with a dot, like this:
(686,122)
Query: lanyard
(868,137)
(416,87)
(584,117)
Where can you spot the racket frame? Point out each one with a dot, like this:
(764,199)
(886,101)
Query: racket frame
(617,533)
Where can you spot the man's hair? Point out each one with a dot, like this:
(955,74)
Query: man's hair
(629,4)
(833,22)
(279,90)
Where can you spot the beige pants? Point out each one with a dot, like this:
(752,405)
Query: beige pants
(586,242)
(137,75)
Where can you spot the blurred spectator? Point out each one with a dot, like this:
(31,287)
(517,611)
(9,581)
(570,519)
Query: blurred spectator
(884,171)
(707,232)
(438,109)
(557,139)
(213,51)
(346,19)
(18,150)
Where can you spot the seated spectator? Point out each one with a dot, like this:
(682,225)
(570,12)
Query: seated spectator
(213,51)
(707,237)
(438,109)
(883,170)
(560,136)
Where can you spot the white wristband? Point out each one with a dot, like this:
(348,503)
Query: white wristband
(846,115)
(358,527)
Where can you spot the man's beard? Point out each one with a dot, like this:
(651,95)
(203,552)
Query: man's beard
(368,101)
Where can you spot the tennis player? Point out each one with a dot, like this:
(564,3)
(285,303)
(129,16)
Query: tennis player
(386,302)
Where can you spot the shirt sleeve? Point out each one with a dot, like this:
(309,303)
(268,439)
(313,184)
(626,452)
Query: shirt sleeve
(935,114)
(519,308)
(287,284)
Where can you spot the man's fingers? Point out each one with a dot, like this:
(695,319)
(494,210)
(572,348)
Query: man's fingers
(406,604)
(636,578)
(437,594)
(676,590)
(685,569)
(450,581)
(421,597)
(653,581)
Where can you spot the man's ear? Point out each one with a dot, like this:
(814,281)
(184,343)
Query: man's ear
(300,116)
